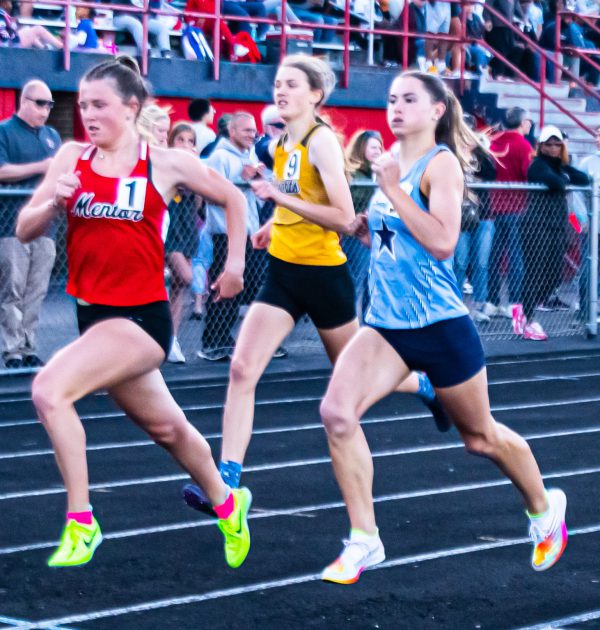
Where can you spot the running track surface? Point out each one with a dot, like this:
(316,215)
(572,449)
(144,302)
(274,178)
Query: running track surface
(454,530)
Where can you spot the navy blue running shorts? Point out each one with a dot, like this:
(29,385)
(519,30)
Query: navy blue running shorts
(325,294)
(449,352)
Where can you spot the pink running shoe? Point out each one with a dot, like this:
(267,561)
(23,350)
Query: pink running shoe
(518,319)
(534,332)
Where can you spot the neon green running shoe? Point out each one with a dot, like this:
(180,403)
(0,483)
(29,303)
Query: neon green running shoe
(77,544)
(235,528)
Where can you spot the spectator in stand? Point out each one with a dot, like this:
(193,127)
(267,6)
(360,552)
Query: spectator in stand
(182,239)
(27,145)
(232,160)
(513,159)
(11,34)
(571,34)
(315,12)
(477,227)
(545,227)
(237,8)
(157,26)
(455,30)
(393,45)
(438,17)
(229,47)
(477,55)
(222,132)
(273,8)
(534,15)
(202,114)
(153,124)
(531,60)
(85,38)
(500,36)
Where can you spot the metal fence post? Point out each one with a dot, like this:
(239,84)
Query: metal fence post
(593,262)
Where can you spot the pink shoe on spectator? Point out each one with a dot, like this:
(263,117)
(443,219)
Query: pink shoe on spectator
(534,332)
(518,319)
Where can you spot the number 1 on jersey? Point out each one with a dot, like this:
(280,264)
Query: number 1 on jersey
(132,193)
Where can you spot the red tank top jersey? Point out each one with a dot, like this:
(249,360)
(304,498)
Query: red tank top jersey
(114,247)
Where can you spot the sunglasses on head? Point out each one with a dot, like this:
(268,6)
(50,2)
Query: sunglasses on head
(277,125)
(41,102)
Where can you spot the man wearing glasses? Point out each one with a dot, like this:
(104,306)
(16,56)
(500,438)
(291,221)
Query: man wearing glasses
(27,145)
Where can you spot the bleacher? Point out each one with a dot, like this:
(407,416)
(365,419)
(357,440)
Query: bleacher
(112,38)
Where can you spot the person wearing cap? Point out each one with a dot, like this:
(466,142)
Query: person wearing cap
(544,228)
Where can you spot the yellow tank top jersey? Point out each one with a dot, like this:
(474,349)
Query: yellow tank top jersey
(294,239)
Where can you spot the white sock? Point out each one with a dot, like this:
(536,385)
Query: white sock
(543,520)
(359,535)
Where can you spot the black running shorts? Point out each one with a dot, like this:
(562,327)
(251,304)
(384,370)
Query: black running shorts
(153,318)
(325,294)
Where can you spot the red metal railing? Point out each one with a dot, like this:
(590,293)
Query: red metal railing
(583,53)
(346,28)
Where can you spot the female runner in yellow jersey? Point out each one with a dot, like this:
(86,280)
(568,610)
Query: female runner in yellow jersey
(307,271)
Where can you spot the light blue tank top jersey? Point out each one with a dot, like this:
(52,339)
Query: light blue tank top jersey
(409,287)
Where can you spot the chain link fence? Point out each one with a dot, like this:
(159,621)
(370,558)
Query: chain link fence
(522,250)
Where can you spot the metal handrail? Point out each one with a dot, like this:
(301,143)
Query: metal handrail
(346,29)
(547,57)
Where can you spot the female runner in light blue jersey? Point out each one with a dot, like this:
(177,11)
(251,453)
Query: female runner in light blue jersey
(416,321)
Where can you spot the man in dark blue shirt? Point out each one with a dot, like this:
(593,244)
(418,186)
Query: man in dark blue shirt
(26,149)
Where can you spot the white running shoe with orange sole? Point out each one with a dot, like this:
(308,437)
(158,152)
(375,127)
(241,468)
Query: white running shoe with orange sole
(361,552)
(549,542)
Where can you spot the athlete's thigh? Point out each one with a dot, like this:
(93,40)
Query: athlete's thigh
(468,404)
(263,330)
(367,369)
(335,339)
(146,399)
(108,353)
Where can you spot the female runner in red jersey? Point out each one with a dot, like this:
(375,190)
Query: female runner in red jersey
(115,263)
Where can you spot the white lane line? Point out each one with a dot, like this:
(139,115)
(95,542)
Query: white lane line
(307,509)
(22,623)
(206,407)
(289,464)
(297,399)
(592,615)
(544,359)
(290,377)
(300,579)
(301,427)
(177,388)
